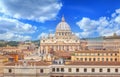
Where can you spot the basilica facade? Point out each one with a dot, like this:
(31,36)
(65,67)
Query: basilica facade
(63,40)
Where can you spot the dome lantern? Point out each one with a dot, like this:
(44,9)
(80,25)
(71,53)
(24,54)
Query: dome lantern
(63,19)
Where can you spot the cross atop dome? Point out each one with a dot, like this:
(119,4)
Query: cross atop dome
(63,19)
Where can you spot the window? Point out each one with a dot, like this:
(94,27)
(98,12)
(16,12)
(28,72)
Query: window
(57,69)
(111,59)
(108,70)
(115,59)
(77,69)
(106,59)
(77,58)
(69,70)
(116,70)
(100,70)
(10,70)
(53,69)
(85,59)
(98,54)
(76,41)
(111,54)
(85,70)
(93,59)
(115,54)
(41,70)
(98,59)
(89,59)
(93,70)
(102,59)
(81,59)
(62,69)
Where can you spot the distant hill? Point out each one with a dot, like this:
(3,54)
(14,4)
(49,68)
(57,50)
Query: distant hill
(10,43)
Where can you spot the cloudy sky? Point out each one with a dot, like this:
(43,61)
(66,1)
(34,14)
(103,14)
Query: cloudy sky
(30,19)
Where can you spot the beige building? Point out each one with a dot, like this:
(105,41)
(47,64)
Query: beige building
(96,56)
(104,43)
(62,40)
(3,59)
(112,42)
(63,54)
(61,69)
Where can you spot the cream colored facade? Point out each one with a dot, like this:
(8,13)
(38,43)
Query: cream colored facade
(63,70)
(96,56)
(62,40)
(104,43)
(112,42)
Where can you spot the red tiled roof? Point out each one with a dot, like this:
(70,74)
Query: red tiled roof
(37,63)
(63,54)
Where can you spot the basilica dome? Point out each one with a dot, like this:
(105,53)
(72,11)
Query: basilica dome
(63,26)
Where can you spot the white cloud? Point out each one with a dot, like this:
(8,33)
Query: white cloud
(103,26)
(117,19)
(13,36)
(12,29)
(15,26)
(117,11)
(40,10)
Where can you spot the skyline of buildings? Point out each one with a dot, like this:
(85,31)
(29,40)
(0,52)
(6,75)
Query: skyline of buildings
(63,54)
(59,38)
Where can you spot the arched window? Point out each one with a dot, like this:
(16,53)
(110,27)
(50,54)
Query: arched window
(111,59)
(106,59)
(115,54)
(89,59)
(115,59)
(102,59)
(85,59)
(98,59)
(81,59)
(94,59)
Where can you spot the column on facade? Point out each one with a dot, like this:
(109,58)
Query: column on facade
(65,47)
(46,49)
(58,48)
(54,48)
(78,47)
(61,47)
(41,49)
(73,48)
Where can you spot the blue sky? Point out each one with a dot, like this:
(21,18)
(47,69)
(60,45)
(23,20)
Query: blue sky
(31,19)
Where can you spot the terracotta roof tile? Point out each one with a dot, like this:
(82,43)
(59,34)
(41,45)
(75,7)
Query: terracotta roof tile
(29,63)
